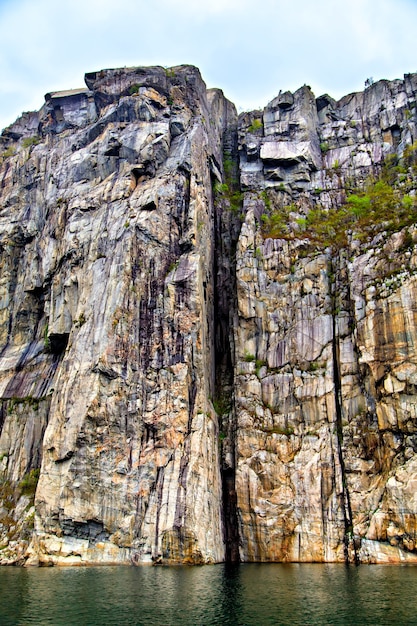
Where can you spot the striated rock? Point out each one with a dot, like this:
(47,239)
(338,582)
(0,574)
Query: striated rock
(108,265)
(194,368)
(325,415)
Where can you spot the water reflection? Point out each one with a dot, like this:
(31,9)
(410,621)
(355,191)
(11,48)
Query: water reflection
(245,595)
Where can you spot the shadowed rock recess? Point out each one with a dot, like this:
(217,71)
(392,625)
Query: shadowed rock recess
(208,325)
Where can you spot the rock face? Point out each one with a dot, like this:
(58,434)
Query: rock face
(192,369)
(325,335)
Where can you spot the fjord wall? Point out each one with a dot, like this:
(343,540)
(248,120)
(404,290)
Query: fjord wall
(207,343)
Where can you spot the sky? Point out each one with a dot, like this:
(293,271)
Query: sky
(250,49)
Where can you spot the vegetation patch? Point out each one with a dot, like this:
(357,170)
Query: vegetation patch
(29,482)
(46,339)
(229,190)
(382,203)
(278,430)
(134,89)
(170,72)
(30,401)
(10,151)
(80,321)
(27,142)
(258,364)
(222,405)
(255,126)
(173,266)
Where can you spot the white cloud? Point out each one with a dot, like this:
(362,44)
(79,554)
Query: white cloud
(249,50)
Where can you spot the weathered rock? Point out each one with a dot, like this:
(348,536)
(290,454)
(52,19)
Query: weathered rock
(325,415)
(108,264)
(187,386)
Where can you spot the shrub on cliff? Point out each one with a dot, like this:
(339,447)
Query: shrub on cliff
(382,203)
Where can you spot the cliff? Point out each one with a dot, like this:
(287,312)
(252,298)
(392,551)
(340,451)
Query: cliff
(207,325)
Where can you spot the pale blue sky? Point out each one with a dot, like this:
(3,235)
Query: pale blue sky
(250,49)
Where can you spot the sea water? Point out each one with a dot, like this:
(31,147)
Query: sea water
(248,594)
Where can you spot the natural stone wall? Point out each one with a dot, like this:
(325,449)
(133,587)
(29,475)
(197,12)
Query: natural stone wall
(190,378)
(325,338)
(108,260)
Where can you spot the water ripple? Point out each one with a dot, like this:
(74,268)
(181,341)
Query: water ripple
(245,595)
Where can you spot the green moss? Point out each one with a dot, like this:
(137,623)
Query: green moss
(27,142)
(134,89)
(258,254)
(266,200)
(255,126)
(258,364)
(173,266)
(234,198)
(29,482)
(30,401)
(410,157)
(313,366)
(10,151)
(229,190)
(8,495)
(46,340)
(222,405)
(170,72)
(229,168)
(279,430)
(80,321)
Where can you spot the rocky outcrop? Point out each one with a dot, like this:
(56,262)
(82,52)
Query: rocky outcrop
(197,364)
(108,318)
(325,334)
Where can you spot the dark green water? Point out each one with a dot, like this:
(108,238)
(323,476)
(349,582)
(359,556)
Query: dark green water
(190,596)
